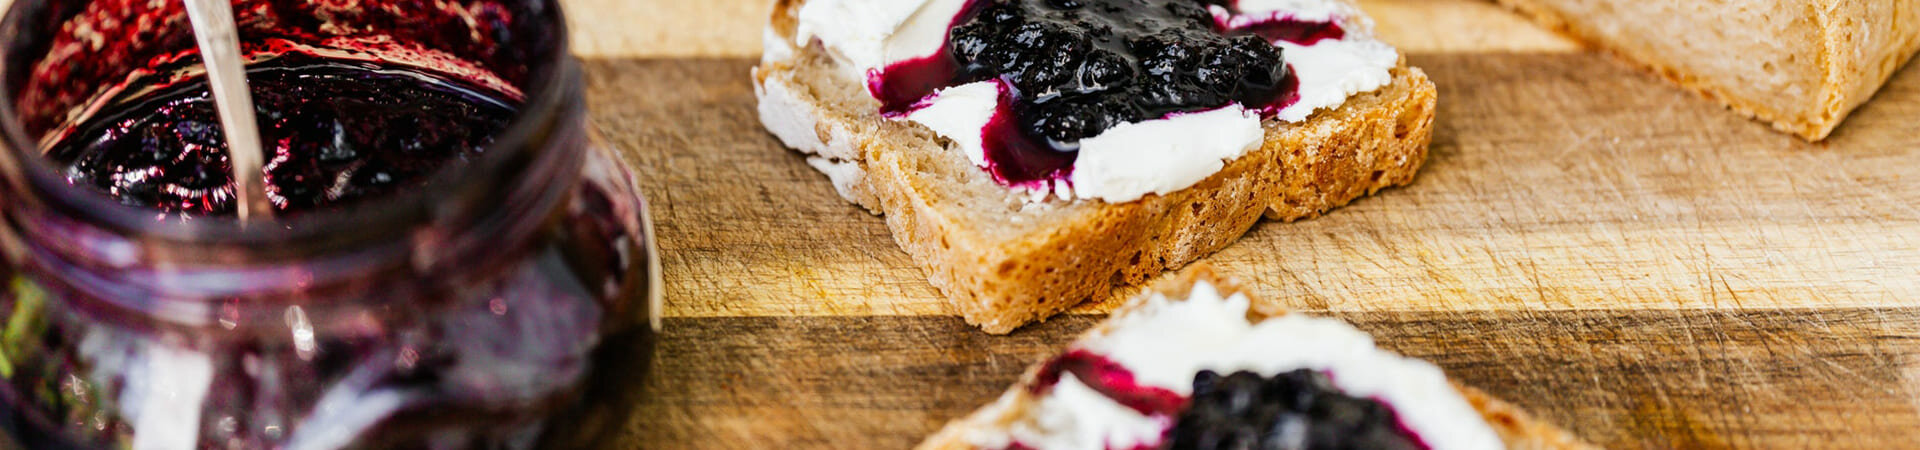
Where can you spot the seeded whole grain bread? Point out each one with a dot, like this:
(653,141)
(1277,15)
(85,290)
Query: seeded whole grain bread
(1802,65)
(1517,428)
(1004,261)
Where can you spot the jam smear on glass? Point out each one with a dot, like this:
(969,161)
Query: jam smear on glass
(334,133)
(1069,70)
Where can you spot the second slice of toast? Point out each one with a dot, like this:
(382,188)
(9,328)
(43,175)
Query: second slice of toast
(1020,405)
(1004,260)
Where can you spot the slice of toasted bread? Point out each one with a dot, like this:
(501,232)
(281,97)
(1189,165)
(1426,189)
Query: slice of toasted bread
(1802,65)
(1004,260)
(1515,427)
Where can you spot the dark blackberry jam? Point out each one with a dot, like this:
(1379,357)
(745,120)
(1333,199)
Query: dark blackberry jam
(1292,410)
(459,262)
(1071,69)
(334,132)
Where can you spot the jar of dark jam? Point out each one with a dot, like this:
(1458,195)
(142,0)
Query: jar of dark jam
(454,261)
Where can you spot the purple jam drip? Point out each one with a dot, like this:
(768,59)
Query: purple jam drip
(1278,28)
(901,87)
(1017,445)
(1031,141)
(334,133)
(1013,156)
(904,86)
(1400,426)
(1294,30)
(1290,94)
(1111,379)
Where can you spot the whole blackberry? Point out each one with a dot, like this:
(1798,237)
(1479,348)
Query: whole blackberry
(1292,410)
(1064,122)
(1104,70)
(1044,76)
(1248,55)
(973,47)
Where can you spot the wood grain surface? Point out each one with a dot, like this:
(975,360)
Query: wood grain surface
(1624,259)
(1694,379)
(1557,181)
(1620,257)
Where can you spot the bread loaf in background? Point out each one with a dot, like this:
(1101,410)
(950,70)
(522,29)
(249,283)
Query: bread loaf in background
(1801,65)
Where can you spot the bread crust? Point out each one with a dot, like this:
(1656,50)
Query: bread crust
(1516,428)
(1852,48)
(1004,263)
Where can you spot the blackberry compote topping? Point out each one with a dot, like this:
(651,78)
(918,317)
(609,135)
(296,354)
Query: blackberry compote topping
(1292,410)
(334,132)
(1072,69)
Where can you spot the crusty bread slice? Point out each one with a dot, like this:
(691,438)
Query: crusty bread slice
(1802,65)
(1517,428)
(1004,261)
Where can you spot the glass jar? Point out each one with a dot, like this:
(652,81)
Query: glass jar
(476,310)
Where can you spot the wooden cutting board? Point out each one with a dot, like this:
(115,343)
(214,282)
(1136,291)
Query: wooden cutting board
(1623,258)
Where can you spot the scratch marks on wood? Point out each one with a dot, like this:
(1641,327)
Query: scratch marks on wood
(1670,378)
(1649,198)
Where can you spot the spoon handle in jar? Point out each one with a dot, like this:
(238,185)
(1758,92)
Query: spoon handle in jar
(219,40)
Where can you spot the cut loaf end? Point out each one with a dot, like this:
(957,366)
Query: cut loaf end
(1800,65)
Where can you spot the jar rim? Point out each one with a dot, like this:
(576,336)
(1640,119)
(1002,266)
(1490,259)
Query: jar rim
(551,80)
